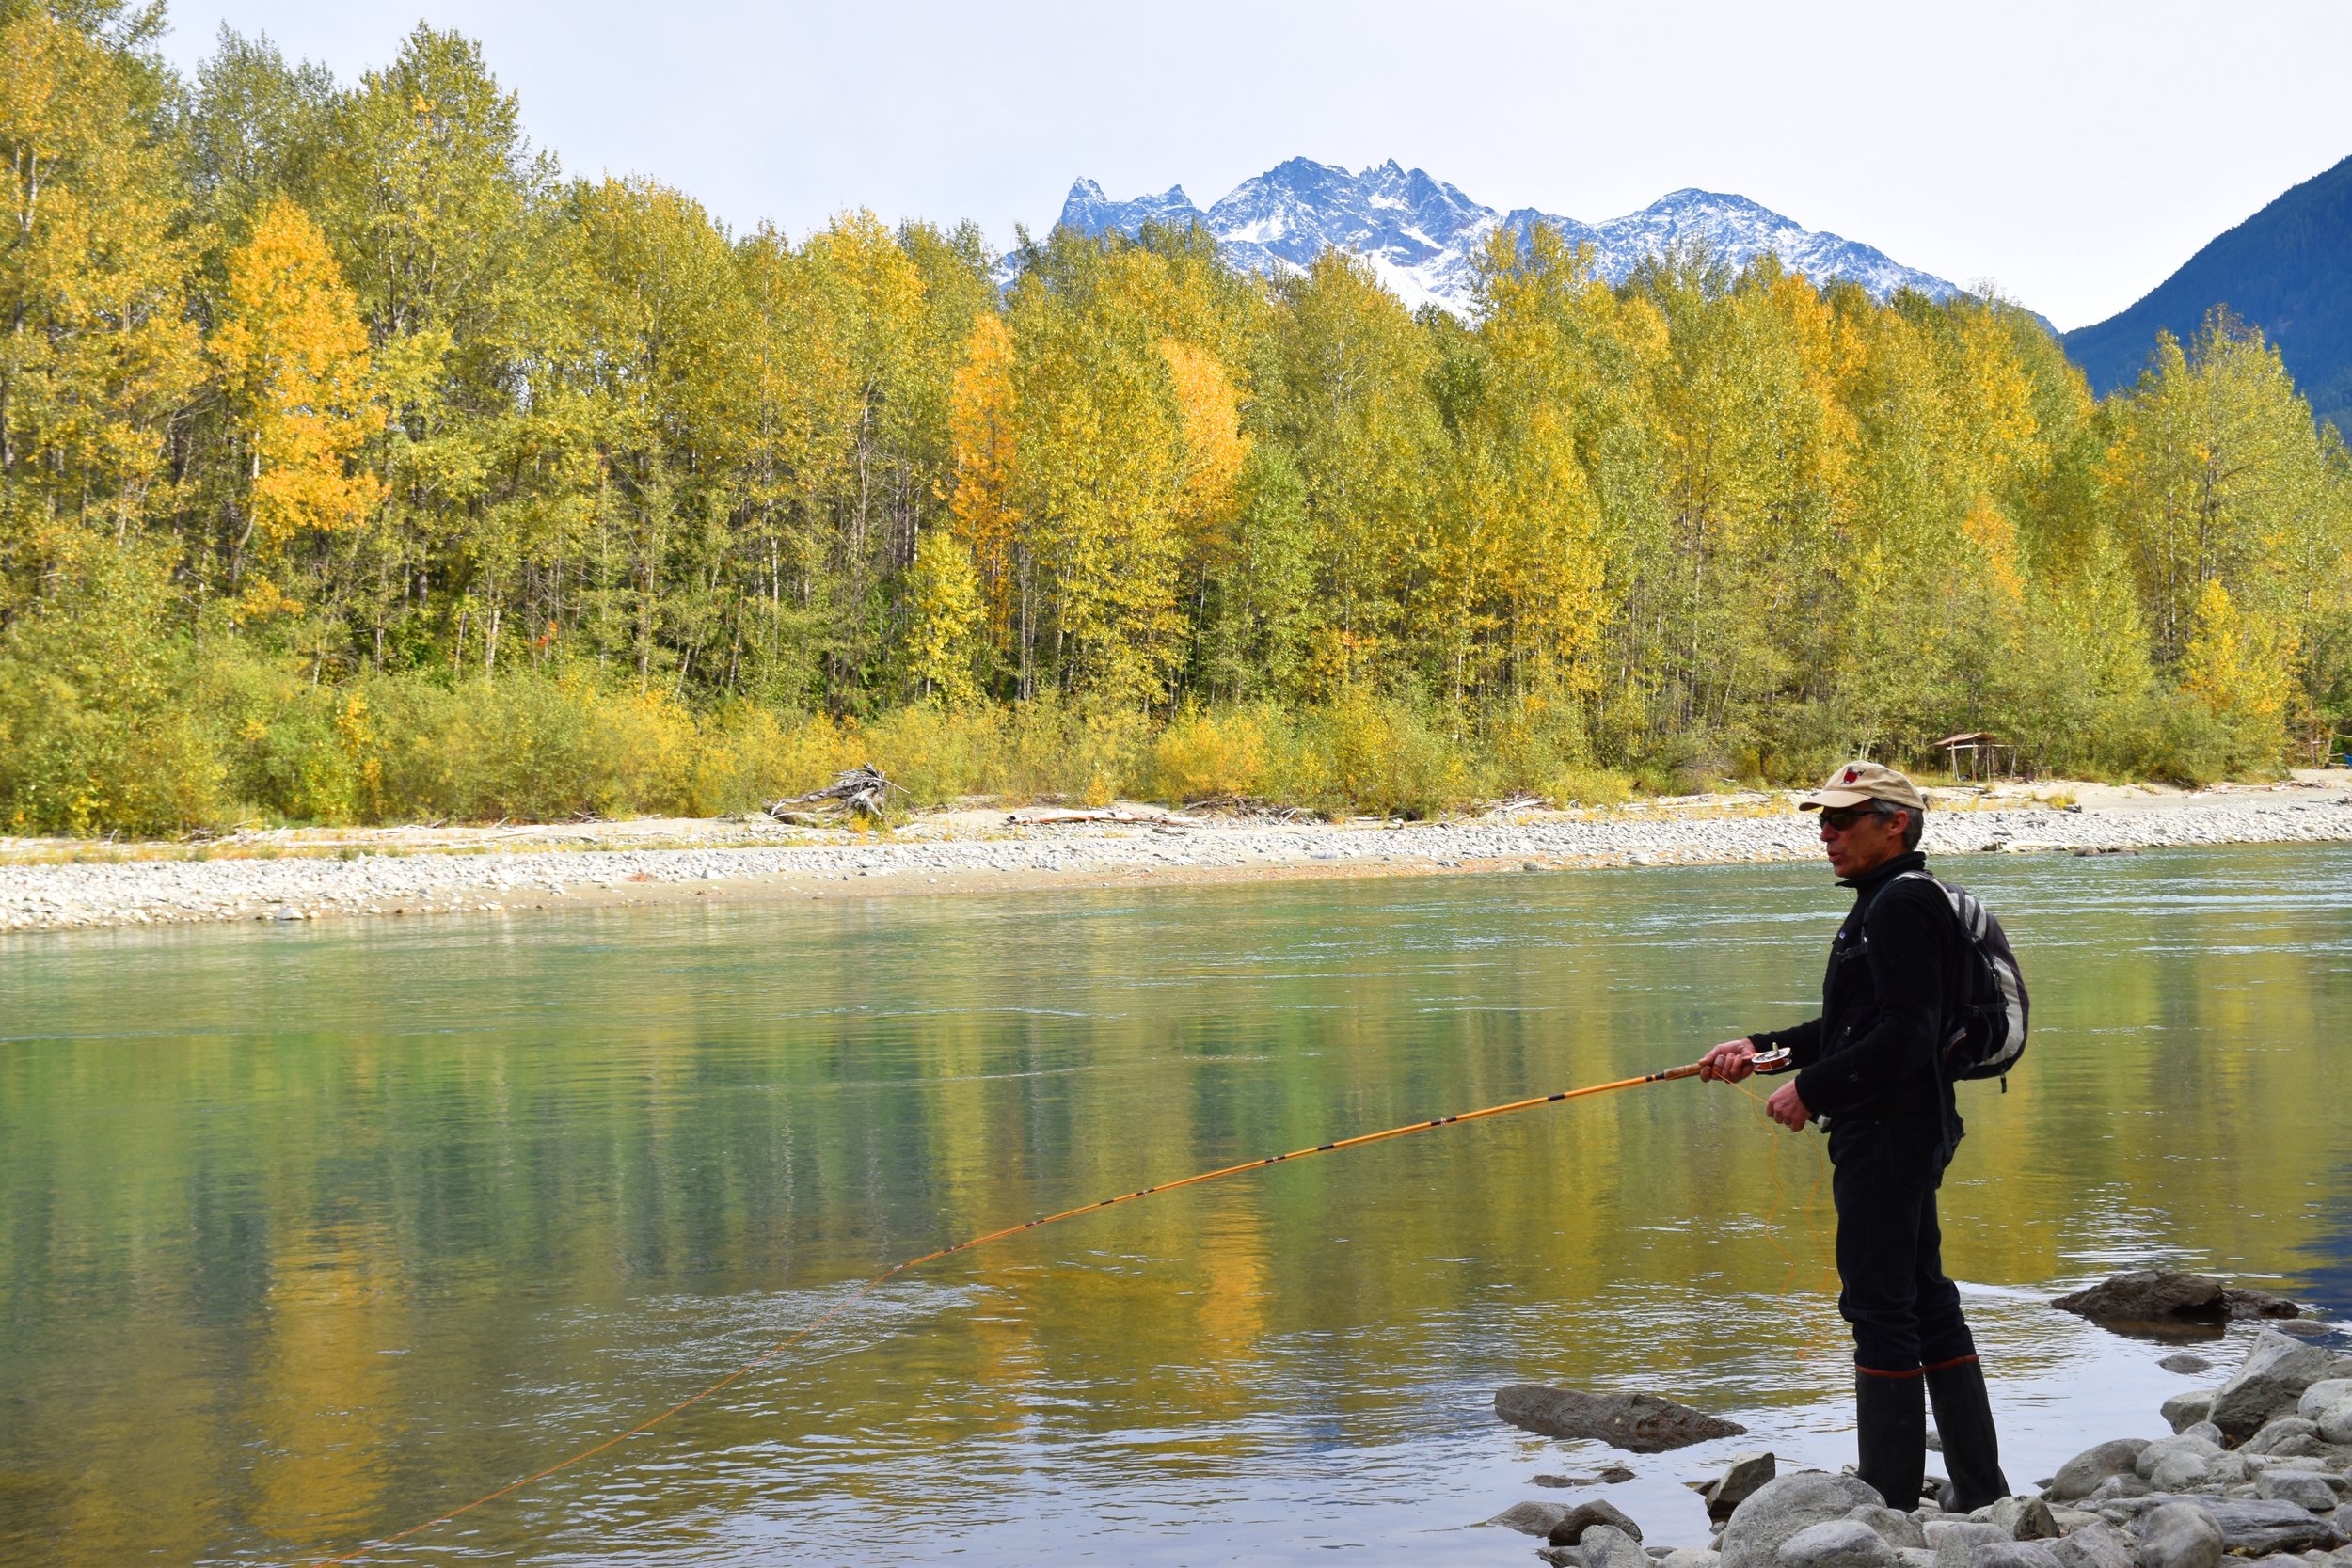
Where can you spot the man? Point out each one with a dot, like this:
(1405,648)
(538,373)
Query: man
(1872,1066)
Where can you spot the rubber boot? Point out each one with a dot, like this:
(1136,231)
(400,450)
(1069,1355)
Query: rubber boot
(1972,1451)
(1891,1424)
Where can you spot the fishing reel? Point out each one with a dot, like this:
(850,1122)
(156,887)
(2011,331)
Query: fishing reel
(1771,1061)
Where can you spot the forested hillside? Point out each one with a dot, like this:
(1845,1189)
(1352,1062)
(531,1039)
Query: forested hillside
(356,463)
(2287,270)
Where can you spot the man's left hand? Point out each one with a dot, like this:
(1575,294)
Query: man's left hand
(1786,1107)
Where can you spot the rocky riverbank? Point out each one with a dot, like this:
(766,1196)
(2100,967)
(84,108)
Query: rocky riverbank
(2259,1467)
(306,874)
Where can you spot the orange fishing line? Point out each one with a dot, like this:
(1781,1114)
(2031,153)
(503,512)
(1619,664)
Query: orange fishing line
(764,1357)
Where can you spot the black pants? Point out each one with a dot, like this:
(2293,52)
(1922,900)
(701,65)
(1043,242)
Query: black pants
(1905,1314)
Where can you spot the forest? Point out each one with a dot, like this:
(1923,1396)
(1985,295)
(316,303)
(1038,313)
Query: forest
(357,464)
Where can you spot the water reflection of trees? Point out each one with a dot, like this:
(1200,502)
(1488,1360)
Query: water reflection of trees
(350,1224)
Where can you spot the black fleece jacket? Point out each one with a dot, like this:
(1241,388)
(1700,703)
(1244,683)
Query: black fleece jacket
(1893,975)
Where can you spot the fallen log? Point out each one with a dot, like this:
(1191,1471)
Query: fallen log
(1090,814)
(861,790)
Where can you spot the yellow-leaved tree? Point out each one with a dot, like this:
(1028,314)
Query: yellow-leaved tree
(949,621)
(294,358)
(2232,663)
(982,445)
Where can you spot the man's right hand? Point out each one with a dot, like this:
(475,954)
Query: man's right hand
(1730,1061)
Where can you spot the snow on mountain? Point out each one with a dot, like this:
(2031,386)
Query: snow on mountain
(1419,234)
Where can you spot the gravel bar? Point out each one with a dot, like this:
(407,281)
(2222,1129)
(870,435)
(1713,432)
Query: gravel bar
(90,893)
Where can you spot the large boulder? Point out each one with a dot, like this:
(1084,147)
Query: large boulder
(2081,1475)
(1782,1506)
(1570,1530)
(2179,1535)
(2335,1423)
(2270,1382)
(1835,1543)
(1642,1424)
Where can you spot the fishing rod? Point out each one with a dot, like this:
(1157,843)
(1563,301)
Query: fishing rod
(1768,1061)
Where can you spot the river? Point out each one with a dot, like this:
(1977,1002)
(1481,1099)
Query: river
(311,1232)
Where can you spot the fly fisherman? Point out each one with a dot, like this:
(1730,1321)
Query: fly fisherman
(1872,1066)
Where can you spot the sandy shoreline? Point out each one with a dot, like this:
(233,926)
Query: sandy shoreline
(310,874)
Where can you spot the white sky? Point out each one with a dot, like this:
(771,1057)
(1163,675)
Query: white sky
(2071,154)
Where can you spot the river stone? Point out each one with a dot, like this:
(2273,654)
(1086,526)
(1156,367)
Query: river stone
(2024,1518)
(2181,1472)
(1531,1518)
(2255,1526)
(1914,1556)
(1835,1543)
(1738,1482)
(2161,1299)
(1690,1557)
(2304,1487)
(1954,1539)
(2271,1379)
(2116,1487)
(1642,1424)
(1607,1546)
(2163,1448)
(1895,1528)
(2180,1535)
(2244,1303)
(2276,1436)
(2335,1422)
(2205,1429)
(1784,1505)
(2323,1396)
(2184,1362)
(1572,1524)
(2182,1410)
(2081,1475)
(2092,1547)
(2011,1554)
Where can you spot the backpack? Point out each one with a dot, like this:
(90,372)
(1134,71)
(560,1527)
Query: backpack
(1989,1033)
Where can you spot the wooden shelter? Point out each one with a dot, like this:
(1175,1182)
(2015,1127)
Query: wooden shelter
(1982,750)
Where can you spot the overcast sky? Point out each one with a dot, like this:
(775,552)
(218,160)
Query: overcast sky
(2074,154)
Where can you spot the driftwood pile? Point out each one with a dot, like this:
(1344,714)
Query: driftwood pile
(862,791)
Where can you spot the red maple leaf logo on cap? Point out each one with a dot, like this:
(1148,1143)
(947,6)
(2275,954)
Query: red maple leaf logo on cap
(1852,775)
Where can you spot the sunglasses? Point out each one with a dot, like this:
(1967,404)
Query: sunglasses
(1843,817)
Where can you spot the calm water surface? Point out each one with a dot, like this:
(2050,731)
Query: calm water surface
(308,1233)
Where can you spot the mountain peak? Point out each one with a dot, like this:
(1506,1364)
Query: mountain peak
(1419,234)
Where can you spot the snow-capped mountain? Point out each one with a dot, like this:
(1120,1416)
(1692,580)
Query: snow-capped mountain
(1419,233)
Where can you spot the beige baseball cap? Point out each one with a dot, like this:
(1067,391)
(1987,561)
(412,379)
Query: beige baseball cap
(1857,782)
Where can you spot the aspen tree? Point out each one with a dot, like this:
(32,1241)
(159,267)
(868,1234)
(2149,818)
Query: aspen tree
(294,355)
